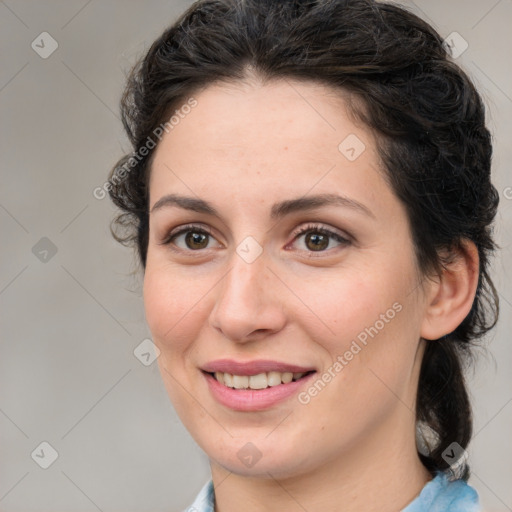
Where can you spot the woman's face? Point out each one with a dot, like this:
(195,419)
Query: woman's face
(295,257)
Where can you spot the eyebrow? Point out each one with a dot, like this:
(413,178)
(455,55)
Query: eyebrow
(278,210)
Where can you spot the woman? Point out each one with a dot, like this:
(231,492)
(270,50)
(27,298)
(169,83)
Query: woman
(310,198)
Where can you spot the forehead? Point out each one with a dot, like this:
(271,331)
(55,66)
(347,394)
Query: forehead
(252,113)
(283,134)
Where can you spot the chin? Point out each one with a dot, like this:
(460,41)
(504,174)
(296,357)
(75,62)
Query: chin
(259,458)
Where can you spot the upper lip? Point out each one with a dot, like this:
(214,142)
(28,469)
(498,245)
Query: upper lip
(252,367)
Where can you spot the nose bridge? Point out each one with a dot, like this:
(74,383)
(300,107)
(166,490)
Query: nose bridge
(246,301)
(245,280)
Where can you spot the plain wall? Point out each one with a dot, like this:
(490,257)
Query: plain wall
(71,314)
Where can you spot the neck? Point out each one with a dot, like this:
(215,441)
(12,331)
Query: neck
(378,476)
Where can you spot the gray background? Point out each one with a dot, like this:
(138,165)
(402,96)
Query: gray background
(70,321)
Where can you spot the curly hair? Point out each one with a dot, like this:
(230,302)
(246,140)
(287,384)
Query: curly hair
(426,113)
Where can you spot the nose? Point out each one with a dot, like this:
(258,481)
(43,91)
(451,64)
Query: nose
(248,305)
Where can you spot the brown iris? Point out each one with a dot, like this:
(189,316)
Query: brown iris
(196,240)
(318,241)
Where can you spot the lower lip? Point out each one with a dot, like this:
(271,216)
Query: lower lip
(253,399)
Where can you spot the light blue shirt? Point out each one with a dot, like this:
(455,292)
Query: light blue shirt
(439,495)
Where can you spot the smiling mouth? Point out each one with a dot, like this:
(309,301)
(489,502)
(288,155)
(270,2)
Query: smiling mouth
(260,381)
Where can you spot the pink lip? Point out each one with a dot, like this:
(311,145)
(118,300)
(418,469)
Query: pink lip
(252,367)
(253,399)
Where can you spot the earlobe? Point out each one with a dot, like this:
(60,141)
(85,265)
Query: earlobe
(452,294)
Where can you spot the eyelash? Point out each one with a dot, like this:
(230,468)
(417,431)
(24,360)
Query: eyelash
(306,229)
(323,231)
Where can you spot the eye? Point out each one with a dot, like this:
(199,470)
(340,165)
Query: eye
(318,238)
(194,238)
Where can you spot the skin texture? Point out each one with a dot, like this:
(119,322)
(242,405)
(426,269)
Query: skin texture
(244,147)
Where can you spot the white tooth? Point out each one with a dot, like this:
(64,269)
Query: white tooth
(228,380)
(273,378)
(220,377)
(240,381)
(258,381)
(286,377)
(297,376)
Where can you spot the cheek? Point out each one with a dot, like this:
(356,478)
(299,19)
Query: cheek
(377,334)
(369,320)
(173,304)
(352,302)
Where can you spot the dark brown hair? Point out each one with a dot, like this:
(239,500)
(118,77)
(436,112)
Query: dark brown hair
(427,115)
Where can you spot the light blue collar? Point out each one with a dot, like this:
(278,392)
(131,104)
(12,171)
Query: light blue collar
(438,495)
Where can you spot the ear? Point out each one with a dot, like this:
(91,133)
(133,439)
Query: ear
(450,296)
